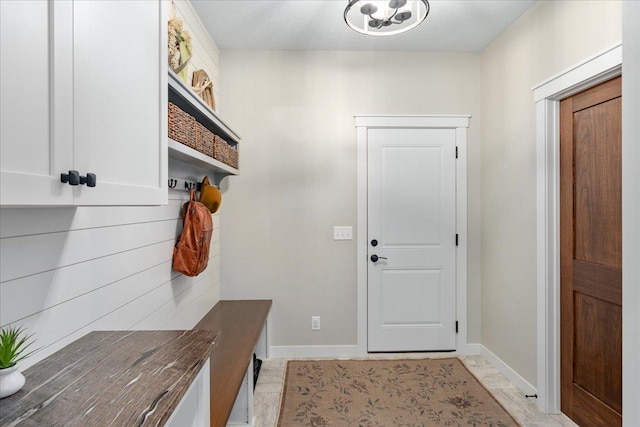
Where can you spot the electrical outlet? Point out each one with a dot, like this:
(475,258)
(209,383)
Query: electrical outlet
(342,232)
(315,323)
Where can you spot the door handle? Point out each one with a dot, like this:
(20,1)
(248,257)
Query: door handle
(375,257)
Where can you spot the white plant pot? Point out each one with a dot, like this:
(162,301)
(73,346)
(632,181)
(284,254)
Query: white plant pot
(11,381)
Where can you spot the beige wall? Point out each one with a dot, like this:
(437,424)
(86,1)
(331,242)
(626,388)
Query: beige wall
(294,110)
(548,38)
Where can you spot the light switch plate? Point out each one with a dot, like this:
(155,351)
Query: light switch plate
(342,232)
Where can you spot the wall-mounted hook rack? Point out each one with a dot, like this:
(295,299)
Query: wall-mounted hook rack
(183,184)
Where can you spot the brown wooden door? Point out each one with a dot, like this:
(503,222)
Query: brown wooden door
(591,255)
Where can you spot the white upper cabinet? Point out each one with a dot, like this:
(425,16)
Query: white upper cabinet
(84,88)
(120,98)
(35,144)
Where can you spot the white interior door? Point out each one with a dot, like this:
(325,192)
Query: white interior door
(412,229)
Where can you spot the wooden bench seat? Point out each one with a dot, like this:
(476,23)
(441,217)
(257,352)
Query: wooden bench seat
(239,324)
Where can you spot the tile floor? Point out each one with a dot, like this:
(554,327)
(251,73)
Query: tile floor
(267,394)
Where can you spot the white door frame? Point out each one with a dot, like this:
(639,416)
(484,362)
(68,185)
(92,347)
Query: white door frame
(460,124)
(547,95)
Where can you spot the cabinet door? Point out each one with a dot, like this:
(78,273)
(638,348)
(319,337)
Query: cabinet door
(120,98)
(35,144)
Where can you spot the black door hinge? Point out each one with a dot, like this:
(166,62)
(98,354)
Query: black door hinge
(456,152)
(456,326)
(456,240)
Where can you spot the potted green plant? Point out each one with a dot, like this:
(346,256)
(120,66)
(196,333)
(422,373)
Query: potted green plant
(13,344)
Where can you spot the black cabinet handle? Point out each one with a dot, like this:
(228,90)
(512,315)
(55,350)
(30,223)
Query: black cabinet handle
(90,180)
(73,178)
(375,257)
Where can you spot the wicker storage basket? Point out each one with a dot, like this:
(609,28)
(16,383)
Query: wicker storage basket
(185,129)
(232,157)
(224,152)
(219,151)
(204,139)
(181,126)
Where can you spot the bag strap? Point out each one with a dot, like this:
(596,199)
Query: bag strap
(185,207)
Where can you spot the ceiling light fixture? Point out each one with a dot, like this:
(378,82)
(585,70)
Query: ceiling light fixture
(385,17)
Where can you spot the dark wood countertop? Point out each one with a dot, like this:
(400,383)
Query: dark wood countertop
(239,324)
(124,378)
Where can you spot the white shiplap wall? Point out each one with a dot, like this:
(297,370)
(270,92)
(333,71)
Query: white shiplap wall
(205,53)
(67,271)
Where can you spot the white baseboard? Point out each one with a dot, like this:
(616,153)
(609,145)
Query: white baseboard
(341,351)
(310,351)
(507,371)
(470,350)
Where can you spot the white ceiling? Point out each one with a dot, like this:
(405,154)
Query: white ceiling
(452,25)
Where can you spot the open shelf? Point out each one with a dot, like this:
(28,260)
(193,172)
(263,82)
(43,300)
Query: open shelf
(190,163)
(184,97)
(188,155)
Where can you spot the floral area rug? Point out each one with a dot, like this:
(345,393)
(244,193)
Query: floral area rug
(408,392)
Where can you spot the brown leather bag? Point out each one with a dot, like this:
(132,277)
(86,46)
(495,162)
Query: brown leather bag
(191,253)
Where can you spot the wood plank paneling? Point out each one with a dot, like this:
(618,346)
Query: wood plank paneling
(176,298)
(41,291)
(54,250)
(195,311)
(156,287)
(28,221)
(116,277)
(44,290)
(145,309)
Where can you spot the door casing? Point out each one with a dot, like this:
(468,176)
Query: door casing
(596,69)
(458,122)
